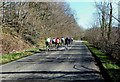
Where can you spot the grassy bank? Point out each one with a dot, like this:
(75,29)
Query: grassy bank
(17,55)
(112,69)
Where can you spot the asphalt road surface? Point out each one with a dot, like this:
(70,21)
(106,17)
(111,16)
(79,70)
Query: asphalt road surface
(73,65)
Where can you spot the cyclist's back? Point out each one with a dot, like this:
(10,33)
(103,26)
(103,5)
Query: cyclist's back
(48,43)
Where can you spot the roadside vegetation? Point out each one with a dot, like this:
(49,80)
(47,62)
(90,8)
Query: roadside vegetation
(25,25)
(104,38)
(109,65)
(17,55)
(105,33)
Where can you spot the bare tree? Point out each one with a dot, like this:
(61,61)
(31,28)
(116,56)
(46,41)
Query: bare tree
(106,37)
(33,21)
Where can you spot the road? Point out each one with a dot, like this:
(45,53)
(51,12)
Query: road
(73,65)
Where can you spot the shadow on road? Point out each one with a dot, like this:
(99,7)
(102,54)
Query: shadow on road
(63,76)
(51,72)
(77,57)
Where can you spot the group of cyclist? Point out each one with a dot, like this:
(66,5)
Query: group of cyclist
(56,42)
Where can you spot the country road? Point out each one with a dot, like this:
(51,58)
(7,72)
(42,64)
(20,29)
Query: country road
(73,65)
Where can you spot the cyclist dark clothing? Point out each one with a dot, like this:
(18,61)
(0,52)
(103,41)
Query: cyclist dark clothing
(66,41)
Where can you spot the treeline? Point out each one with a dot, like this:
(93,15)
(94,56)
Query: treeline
(34,21)
(104,35)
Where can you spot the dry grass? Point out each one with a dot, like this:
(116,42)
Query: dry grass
(12,42)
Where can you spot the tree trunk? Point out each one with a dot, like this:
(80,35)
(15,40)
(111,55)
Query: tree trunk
(110,22)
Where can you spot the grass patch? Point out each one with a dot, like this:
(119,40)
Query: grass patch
(112,68)
(17,55)
(13,56)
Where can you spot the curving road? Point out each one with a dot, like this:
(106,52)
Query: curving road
(73,65)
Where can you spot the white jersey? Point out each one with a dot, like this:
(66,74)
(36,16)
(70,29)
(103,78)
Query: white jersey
(63,39)
(48,39)
(54,39)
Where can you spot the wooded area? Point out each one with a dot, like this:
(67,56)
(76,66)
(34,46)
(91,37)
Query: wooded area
(103,34)
(25,24)
(26,27)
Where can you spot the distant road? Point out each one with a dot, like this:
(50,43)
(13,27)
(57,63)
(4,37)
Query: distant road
(75,64)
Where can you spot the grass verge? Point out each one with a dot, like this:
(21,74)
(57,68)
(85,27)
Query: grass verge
(17,55)
(110,67)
